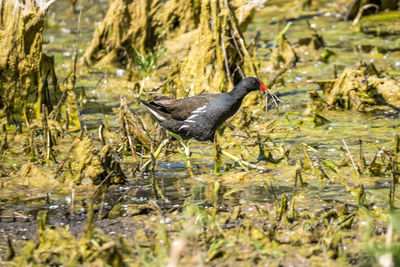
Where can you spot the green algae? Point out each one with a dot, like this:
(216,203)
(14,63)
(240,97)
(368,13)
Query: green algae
(85,163)
(59,246)
(32,176)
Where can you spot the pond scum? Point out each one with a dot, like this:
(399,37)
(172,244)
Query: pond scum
(88,178)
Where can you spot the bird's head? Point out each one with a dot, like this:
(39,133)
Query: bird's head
(253,84)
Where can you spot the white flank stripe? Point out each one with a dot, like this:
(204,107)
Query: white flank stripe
(183,126)
(192,117)
(198,111)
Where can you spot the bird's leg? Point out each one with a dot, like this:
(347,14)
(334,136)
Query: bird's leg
(186,147)
(154,183)
(184,151)
(155,154)
(217,158)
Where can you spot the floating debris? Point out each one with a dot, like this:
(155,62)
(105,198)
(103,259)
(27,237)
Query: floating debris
(360,88)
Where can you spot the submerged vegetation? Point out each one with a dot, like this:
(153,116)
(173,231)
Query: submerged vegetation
(87,177)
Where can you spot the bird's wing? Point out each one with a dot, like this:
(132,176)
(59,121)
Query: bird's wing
(182,109)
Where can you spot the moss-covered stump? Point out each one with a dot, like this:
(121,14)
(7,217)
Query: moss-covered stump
(361,88)
(32,176)
(88,167)
(25,69)
(142,25)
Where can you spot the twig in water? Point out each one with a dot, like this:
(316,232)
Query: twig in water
(101,134)
(99,100)
(20,215)
(63,97)
(274,76)
(154,183)
(77,48)
(273,191)
(282,33)
(396,148)
(274,98)
(240,71)
(228,73)
(152,90)
(395,181)
(268,190)
(61,165)
(156,154)
(101,184)
(361,11)
(351,158)
(244,164)
(72,200)
(46,133)
(363,163)
(323,171)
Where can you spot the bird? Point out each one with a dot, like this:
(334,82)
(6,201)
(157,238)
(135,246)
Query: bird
(199,116)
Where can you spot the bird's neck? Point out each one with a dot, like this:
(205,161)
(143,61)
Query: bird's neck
(238,93)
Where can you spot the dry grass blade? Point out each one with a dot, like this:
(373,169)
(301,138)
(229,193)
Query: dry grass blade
(274,97)
(134,129)
(351,159)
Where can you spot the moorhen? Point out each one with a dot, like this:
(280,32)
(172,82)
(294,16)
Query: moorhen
(199,116)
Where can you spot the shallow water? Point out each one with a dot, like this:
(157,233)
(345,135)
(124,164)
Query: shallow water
(97,102)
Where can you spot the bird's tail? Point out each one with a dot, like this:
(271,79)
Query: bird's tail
(157,113)
(144,103)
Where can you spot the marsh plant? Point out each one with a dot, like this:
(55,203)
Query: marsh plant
(146,64)
(184,152)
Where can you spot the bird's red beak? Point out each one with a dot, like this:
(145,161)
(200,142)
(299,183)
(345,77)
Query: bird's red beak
(263,87)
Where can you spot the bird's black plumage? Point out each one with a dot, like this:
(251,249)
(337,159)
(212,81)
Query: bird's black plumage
(199,116)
